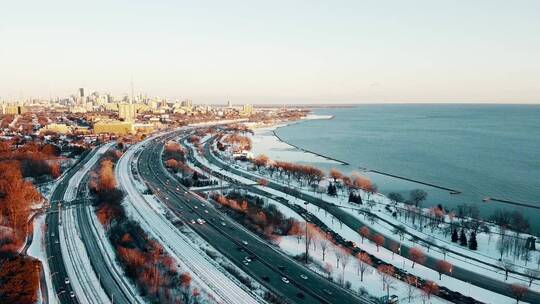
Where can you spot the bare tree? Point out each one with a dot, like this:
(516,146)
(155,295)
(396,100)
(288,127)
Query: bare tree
(532,274)
(387,276)
(345,259)
(417,196)
(507,266)
(323,243)
(364,261)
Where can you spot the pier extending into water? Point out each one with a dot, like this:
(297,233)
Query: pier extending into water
(452,191)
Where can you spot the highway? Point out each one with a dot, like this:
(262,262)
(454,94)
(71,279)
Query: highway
(269,265)
(74,247)
(355,223)
(54,252)
(205,272)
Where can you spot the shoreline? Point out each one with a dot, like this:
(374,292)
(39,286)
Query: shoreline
(309,117)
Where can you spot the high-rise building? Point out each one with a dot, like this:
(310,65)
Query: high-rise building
(126,111)
(81,99)
(247,109)
(229,104)
(187,103)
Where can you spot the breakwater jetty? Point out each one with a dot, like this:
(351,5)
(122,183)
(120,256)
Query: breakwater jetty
(452,191)
(308,151)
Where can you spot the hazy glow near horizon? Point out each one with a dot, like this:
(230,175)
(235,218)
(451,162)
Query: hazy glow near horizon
(274,51)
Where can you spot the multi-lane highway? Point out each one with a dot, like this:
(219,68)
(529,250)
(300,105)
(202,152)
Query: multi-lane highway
(82,270)
(54,252)
(355,223)
(268,265)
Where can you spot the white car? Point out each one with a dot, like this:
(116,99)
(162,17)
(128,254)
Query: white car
(66,281)
(244,242)
(285,280)
(303,276)
(200,221)
(192,221)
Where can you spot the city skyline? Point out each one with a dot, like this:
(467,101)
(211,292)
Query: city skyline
(211,52)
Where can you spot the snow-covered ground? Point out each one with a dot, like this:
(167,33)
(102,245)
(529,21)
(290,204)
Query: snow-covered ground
(264,142)
(38,251)
(83,279)
(487,252)
(384,254)
(150,215)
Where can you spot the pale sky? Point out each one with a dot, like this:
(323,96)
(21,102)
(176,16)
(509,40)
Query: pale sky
(275,51)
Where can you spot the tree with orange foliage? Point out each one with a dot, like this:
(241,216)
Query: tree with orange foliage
(416,255)
(387,277)
(364,233)
(263,182)
(412,284)
(519,291)
(336,174)
(443,267)
(379,240)
(56,170)
(364,261)
(429,288)
(17,196)
(261,161)
(172,163)
(395,247)
(107,180)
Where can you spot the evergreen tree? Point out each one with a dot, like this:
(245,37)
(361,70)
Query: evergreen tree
(462,238)
(454,235)
(473,244)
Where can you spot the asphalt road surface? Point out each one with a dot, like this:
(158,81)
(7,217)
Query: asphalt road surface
(269,266)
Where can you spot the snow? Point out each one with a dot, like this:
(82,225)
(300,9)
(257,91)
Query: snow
(484,254)
(146,211)
(38,251)
(384,254)
(83,279)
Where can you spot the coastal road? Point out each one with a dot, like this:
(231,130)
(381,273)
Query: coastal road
(355,224)
(269,265)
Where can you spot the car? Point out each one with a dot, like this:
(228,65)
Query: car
(244,242)
(205,211)
(66,281)
(223,224)
(246,263)
(71,294)
(393,299)
(56,241)
(200,221)
(192,221)
(285,280)
(281,267)
(52,234)
(328,292)
(247,259)
(303,276)
(196,207)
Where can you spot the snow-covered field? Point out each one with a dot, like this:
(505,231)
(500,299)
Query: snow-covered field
(38,251)
(487,252)
(149,213)
(401,262)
